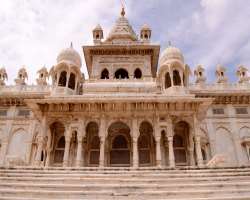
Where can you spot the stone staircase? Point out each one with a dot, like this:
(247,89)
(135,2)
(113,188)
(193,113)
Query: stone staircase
(124,184)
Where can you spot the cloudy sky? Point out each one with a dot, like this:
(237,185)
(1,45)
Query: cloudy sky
(33,32)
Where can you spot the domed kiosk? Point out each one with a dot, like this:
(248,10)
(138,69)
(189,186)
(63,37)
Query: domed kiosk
(173,72)
(66,74)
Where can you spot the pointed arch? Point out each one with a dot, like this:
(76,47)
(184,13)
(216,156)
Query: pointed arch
(72,81)
(137,74)
(146,145)
(176,78)
(167,80)
(225,145)
(121,74)
(62,79)
(105,74)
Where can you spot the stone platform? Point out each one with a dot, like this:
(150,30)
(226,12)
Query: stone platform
(124,183)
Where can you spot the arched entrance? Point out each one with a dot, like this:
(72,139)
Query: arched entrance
(119,145)
(92,153)
(180,143)
(58,144)
(146,145)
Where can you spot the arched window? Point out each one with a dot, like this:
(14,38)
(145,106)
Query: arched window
(63,79)
(178,141)
(120,142)
(121,74)
(146,144)
(105,74)
(167,80)
(72,82)
(59,151)
(61,143)
(93,144)
(137,73)
(176,78)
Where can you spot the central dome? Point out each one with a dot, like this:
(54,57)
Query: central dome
(171,53)
(70,56)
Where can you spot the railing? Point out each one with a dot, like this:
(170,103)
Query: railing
(31,89)
(220,87)
(193,88)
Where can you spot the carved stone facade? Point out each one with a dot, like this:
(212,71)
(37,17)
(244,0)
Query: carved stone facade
(130,112)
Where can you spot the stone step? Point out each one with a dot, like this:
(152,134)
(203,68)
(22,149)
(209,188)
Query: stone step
(115,198)
(124,174)
(142,187)
(133,184)
(104,180)
(117,171)
(149,195)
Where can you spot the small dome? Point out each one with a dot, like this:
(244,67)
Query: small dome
(69,55)
(98,28)
(171,53)
(145,27)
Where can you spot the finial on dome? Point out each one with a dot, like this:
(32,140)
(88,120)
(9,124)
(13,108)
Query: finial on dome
(71,45)
(123,11)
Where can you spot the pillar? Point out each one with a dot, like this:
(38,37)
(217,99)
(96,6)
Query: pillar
(135,153)
(171,152)
(198,151)
(158,151)
(102,134)
(197,143)
(135,142)
(4,152)
(40,141)
(66,151)
(102,152)
(191,150)
(39,151)
(79,151)
(30,141)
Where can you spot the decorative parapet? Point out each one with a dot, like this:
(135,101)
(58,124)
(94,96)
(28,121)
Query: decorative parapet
(24,89)
(219,88)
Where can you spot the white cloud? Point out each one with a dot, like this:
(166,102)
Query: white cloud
(217,31)
(32,33)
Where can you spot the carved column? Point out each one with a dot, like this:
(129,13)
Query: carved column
(170,144)
(39,151)
(6,140)
(102,133)
(197,143)
(79,151)
(68,75)
(191,150)
(4,148)
(171,152)
(67,146)
(198,151)
(135,143)
(158,151)
(40,141)
(171,77)
(30,142)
